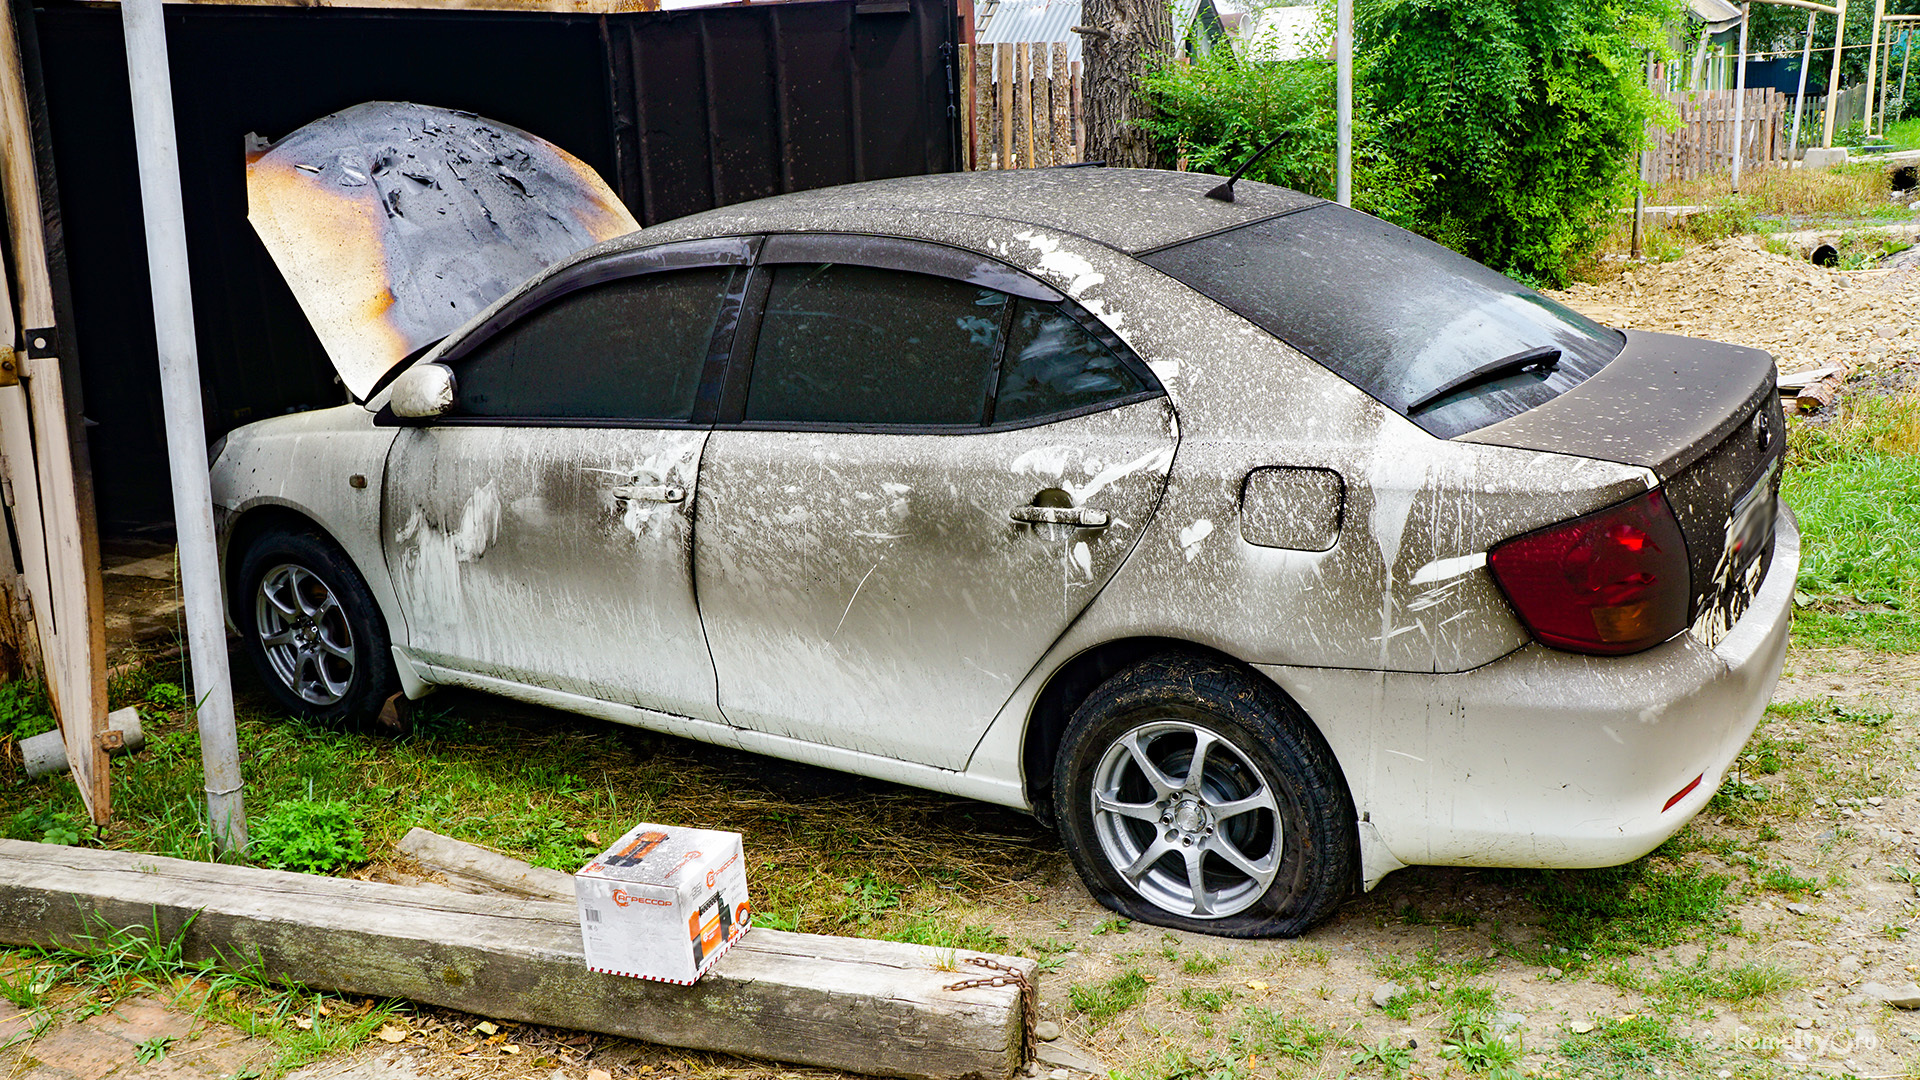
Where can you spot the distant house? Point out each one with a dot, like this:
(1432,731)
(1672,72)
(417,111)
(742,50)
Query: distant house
(1198,25)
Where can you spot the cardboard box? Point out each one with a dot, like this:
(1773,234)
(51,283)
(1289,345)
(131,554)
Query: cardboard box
(663,902)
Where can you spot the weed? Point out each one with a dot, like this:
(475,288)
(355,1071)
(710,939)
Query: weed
(1204,963)
(869,897)
(1905,873)
(24,709)
(941,934)
(1267,1032)
(47,826)
(1205,1000)
(1742,982)
(1102,1002)
(1392,1060)
(166,695)
(1781,879)
(152,1049)
(309,837)
(1479,1049)
(1112,924)
(1894,931)
(1631,1047)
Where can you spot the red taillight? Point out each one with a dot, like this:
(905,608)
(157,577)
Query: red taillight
(1612,582)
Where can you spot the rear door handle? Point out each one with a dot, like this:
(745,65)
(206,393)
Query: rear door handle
(660,493)
(1080,517)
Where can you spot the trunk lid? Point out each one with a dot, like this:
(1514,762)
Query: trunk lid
(1705,417)
(395,223)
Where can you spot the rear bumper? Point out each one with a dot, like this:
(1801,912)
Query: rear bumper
(1546,758)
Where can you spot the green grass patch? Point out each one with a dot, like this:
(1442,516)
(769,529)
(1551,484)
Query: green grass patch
(1620,910)
(1101,1002)
(1854,482)
(1618,1049)
(1268,1033)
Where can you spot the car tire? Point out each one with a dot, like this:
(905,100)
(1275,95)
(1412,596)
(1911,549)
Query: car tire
(1273,868)
(312,628)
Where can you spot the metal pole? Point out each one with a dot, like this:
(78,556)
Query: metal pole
(1873,64)
(159,158)
(1640,190)
(1833,72)
(1800,97)
(1740,98)
(1343,101)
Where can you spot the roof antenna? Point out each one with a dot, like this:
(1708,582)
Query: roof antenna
(1225,191)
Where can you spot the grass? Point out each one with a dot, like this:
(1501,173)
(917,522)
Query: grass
(1854,482)
(1101,1003)
(827,853)
(1617,911)
(1632,1047)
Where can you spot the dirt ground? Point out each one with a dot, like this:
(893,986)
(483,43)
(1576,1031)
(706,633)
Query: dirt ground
(1844,818)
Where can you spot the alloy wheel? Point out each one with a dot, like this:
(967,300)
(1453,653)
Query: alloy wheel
(1187,819)
(305,633)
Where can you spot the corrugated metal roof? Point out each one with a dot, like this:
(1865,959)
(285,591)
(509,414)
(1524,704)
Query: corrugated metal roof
(1034,20)
(1052,20)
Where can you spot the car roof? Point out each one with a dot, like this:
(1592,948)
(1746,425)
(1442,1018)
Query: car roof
(1134,210)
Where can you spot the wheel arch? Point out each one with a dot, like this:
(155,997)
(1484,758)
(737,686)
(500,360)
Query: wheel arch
(1074,681)
(252,523)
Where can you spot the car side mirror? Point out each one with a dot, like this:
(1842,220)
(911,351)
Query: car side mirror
(422,392)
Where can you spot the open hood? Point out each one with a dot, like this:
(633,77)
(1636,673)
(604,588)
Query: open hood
(395,223)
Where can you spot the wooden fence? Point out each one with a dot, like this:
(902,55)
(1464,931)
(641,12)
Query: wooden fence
(1703,144)
(1020,106)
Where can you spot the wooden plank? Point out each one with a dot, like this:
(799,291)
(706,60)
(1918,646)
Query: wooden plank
(1005,81)
(984,111)
(1022,106)
(864,1006)
(1079,114)
(69,615)
(965,59)
(1062,92)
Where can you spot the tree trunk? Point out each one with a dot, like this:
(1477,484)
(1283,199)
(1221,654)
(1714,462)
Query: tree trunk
(1123,39)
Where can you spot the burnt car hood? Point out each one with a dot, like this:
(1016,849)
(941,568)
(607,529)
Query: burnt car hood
(395,223)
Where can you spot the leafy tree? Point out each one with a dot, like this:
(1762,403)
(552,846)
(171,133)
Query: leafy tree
(1526,114)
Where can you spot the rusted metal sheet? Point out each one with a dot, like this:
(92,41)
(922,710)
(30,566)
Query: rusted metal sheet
(394,223)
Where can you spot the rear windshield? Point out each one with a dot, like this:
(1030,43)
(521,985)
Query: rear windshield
(1395,314)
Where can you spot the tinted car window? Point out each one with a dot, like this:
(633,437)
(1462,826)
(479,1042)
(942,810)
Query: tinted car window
(630,349)
(1395,314)
(857,345)
(1053,365)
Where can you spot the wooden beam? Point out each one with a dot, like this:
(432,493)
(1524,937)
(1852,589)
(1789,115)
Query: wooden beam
(475,869)
(875,1007)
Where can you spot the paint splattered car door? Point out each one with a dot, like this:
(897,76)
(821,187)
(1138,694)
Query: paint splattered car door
(925,482)
(541,532)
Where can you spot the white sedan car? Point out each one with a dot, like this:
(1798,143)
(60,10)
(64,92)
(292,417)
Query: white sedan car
(1261,546)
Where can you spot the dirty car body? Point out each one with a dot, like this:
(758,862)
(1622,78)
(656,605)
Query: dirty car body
(1074,491)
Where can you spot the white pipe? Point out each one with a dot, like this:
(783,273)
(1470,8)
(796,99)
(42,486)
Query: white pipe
(1343,101)
(1740,97)
(154,139)
(1800,97)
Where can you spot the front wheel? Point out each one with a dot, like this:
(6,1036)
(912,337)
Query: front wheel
(1193,795)
(312,628)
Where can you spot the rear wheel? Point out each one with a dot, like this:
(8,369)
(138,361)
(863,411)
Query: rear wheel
(312,628)
(1193,795)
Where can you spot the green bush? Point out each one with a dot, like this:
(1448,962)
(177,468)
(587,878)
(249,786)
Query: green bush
(311,837)
(1219,110)
(1526,114)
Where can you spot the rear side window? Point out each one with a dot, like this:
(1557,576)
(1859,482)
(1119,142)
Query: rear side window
(1395,314)
(843,344)
(1053,365)
(631,349)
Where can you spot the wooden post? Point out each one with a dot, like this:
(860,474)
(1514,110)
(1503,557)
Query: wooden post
(965,60)
(1023,105)
(1079,115)
(1005,81)
(1833,71)
(1062,125)
(983,106)
(69,616)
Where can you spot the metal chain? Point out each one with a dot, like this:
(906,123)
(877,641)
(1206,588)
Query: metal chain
(1029,996)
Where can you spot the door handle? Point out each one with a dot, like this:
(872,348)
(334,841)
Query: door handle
(660,493)
(1080,517)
